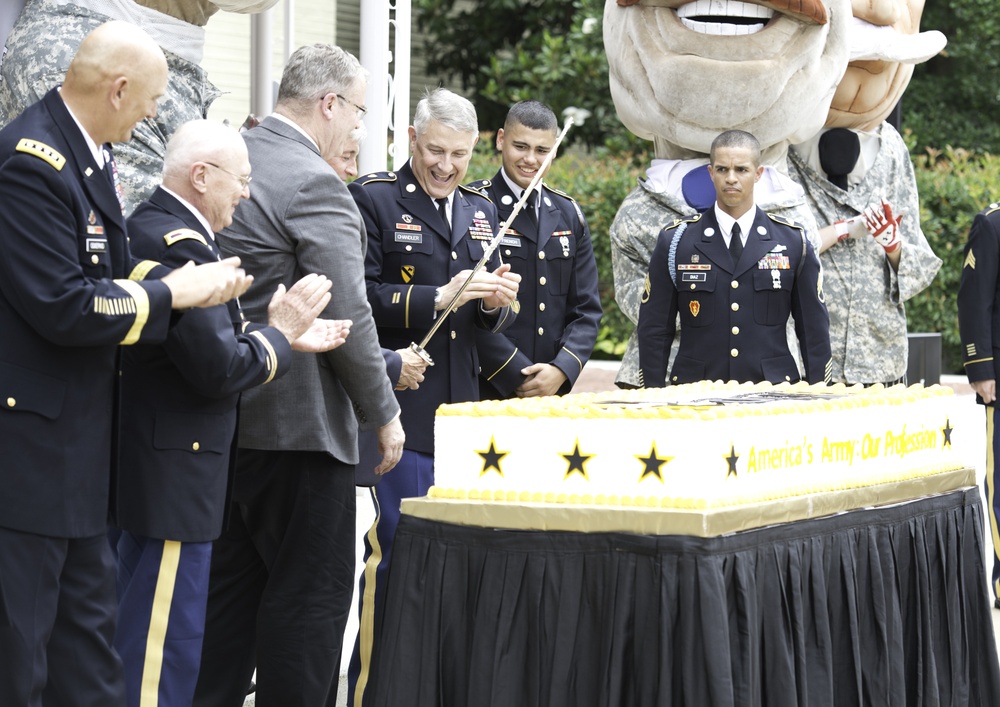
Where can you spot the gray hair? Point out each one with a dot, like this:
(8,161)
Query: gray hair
(359,134)
(739,139)
(447,108)
(315,70)
(197,141)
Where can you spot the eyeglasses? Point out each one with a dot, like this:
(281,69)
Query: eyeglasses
(360,109)
(244,181)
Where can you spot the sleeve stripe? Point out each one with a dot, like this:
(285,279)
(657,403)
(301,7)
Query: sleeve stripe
(406,310)
(272,357)
(978,360)
(574,356)
(140,300)
(503,366)
(142,269)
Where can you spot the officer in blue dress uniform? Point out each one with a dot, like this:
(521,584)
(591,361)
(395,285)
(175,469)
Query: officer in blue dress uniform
(734,275)
(425,233)
(548,244)
(979,326)
(179,403)
(70,294)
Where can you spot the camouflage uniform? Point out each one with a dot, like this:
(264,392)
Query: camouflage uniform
(863,294)
(634,231)
(39,50)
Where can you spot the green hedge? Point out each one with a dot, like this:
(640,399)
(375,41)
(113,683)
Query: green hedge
(954,185)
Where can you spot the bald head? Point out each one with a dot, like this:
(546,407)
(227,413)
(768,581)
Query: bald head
(114,80)
(205,164)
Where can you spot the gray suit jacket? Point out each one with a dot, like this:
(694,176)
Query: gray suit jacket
(301,219)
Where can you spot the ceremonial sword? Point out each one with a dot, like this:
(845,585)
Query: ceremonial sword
(495,241)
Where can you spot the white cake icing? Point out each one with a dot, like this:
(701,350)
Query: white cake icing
(694,446)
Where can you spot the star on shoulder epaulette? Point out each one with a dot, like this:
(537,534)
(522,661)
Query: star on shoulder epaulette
(991,208)
(183,234)
(785,222)
(42,151)
(477,192)
(376,177)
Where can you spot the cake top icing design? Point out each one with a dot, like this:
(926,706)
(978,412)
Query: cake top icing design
(577,461)
(653,465)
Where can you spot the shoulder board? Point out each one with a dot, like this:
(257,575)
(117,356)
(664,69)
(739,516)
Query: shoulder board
(480,184)
(678,221)
(785,222)
(560,193)
(377,177)
(473,190)
(990,209)
(182,234)
(42,151)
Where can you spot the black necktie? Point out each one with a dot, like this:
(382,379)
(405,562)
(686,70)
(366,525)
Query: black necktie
(443,210)
(735,244)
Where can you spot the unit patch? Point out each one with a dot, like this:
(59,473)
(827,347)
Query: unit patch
(406,272)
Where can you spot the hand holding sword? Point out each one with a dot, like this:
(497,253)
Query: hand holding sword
(499,288)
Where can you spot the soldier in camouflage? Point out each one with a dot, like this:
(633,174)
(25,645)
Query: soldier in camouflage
(866,284)
(859,164)
(47,34)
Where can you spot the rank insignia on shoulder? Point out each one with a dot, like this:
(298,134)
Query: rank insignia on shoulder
(784,221)
(183,234)
(42,151)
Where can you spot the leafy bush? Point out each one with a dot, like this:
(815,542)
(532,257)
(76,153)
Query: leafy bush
(599,182)
(954,185)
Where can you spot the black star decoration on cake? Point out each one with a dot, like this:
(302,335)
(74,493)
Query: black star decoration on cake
(577,461)
(946,431)
(652,464)
(491,458)
(731,460)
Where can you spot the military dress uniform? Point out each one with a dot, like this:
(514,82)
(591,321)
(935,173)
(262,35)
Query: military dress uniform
(560,308)
(411,253)
(979,327)
(178,435)
(733,316)
(70,293)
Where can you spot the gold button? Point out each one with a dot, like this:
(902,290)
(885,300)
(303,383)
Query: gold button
(94,259)
(734,284)
(734,353)
(11,402)
(541,255)
(409,248)
(454,255)
(735,306)
(541,281)
(507,252)
(736,330)
(675,379)
(453,334)
(196,446)
(541,306)
(787,378)
(541,331)
(693,286)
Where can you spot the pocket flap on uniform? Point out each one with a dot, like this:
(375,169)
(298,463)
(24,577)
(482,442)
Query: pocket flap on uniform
(24,390)
(191,432)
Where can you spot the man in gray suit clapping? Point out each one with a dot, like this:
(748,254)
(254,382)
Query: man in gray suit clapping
(282,573)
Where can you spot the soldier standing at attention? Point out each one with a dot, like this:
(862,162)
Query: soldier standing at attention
(979,325)
(734,275)
(543,352)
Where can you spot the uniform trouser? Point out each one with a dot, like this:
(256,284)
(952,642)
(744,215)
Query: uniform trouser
(281,582)
(57,622)
(162,590)
(412,477)
(992,484)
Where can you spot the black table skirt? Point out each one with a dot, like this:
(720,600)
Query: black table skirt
(874,607)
